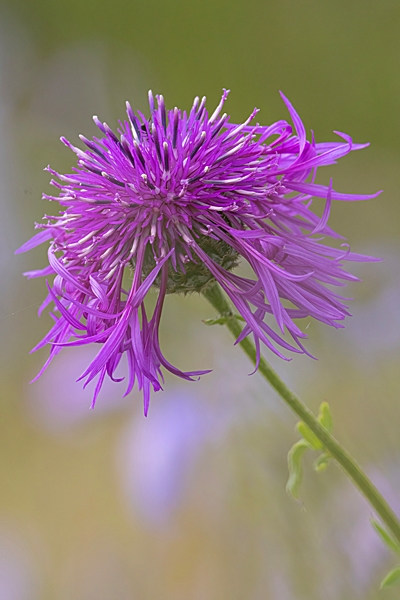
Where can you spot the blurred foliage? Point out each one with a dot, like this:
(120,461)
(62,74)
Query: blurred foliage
(337,61)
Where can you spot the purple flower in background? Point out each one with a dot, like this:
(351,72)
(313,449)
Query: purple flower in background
(175,202)
(156,459)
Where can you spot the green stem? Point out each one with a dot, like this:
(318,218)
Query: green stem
(215,296)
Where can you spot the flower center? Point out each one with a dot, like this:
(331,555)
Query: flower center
(194,276)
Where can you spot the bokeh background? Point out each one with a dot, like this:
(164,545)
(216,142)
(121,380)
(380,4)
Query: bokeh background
(190,503)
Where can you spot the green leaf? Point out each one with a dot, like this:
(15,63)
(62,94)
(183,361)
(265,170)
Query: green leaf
(218,321)
(325,416)
(223,319)
(321,463)
(295,456)
(391,578)
(308,435)
(385,536)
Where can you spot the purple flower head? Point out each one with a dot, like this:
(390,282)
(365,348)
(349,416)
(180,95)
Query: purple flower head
(175,202)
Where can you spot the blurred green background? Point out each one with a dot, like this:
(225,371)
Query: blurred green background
(190,503)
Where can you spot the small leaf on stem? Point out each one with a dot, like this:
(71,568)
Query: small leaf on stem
(325,416)
(321,463)
(391,578)
(222,320)
(295,467)
(308,435)
(385,537)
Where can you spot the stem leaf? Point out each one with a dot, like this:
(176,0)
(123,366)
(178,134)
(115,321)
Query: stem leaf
(223,319)
(321,463)
(308,435)
(325,416)
(385,537)
(218,321)
(391,578)
(295,456)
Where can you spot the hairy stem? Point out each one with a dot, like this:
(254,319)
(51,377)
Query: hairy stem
(216,297)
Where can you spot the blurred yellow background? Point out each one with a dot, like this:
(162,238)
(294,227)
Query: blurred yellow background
(190,503)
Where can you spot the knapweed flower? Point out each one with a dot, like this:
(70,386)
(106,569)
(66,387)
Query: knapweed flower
(175,202)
